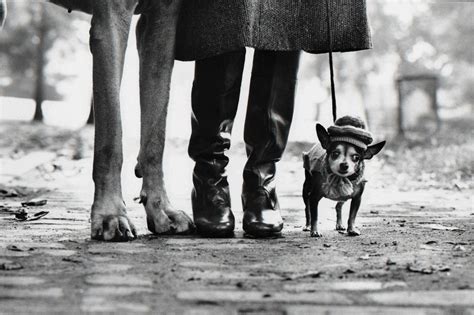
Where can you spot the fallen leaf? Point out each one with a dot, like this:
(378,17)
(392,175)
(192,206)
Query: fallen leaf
(23,215)
(442,227)
(38,215)
(73,259)
(429,247)
(34,203)
(460,186)
(11,266)
(310,274)
(458,243)
(426,271)
(15,248)
(364,257)
(459,248)
(8,192)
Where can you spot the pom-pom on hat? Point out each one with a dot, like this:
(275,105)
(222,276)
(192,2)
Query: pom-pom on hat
(351,130)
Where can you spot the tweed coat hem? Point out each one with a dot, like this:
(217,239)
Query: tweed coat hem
(211,27)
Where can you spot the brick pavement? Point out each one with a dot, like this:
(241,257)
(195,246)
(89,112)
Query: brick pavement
(61,270)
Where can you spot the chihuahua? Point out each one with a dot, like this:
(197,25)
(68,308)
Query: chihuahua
(334,169)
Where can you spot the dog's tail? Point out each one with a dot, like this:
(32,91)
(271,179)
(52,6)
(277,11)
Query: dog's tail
(3,12)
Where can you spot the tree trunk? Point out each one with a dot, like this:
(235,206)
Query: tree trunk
(90,120)
(40,65)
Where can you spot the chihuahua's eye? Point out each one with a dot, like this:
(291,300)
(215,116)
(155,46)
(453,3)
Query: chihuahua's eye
(335,155)
(355,158)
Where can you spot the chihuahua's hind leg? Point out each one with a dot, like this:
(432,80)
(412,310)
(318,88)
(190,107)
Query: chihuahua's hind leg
(306,198)
(307,226)
(339,225)
(313,207)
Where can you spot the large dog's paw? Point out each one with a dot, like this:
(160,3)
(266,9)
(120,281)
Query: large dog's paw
(352,231)
(169,222)
(161,218)
(340,227)
(182,223)
(307,228)
(316,234)
(116,228)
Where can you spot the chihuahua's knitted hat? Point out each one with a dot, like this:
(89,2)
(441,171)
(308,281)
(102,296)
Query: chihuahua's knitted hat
(351,130)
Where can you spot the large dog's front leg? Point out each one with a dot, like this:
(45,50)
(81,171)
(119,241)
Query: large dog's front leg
(108,39)
(156,33)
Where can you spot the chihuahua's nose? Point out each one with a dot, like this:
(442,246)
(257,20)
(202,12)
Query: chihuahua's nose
(344,166)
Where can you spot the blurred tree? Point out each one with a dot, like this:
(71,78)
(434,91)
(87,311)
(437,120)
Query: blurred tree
(32,31)
(434,38)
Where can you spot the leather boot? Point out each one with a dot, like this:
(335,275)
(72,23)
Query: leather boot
(267,125)
(215,98)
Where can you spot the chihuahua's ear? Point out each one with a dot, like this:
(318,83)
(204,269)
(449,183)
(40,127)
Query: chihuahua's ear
(323,136)
(373,150)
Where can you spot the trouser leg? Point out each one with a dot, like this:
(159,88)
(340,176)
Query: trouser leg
(267,125)
(215,99)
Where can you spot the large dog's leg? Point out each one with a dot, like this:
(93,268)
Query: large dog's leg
(156,33)
(109,33)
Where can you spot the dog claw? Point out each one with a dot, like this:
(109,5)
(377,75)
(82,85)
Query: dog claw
(116,228)
(182,223)
(171,222)
(160,224)
(316,234)
(353,232)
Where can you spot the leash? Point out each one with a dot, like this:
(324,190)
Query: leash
(331,63)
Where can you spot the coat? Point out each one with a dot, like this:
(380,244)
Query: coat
(210,27)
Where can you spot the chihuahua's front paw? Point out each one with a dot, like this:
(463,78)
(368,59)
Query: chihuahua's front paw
(352,231)
(307,228)
(340,227)
(316,234)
